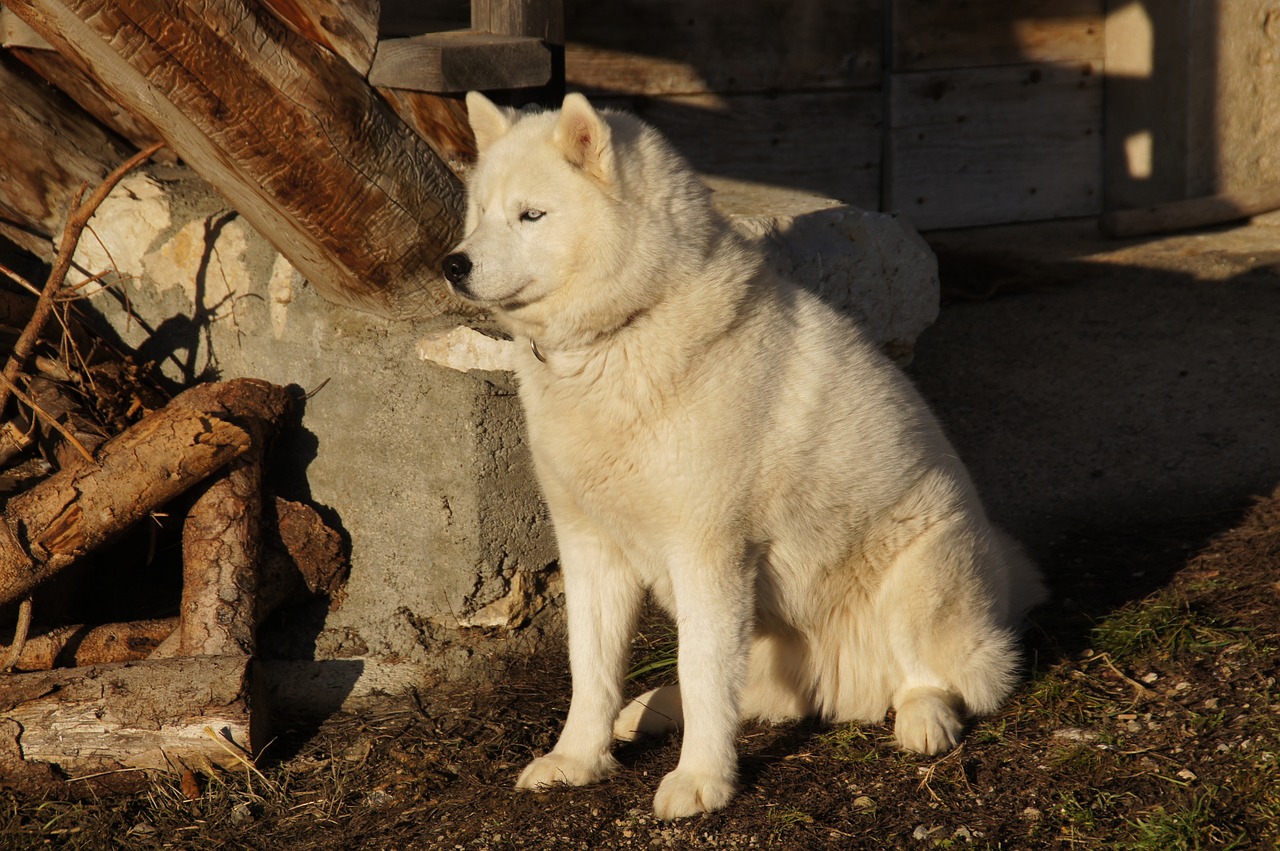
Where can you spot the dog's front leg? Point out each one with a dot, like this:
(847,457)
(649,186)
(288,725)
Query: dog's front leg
(714,603)
(602,598)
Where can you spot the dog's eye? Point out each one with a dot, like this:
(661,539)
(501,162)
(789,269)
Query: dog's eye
(531,215)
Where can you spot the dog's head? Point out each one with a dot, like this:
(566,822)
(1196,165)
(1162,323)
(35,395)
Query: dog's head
(565,221)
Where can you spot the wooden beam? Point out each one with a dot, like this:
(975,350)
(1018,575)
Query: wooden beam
(349,28)
(48,148)
(460,61)
(977,33)
(289,133)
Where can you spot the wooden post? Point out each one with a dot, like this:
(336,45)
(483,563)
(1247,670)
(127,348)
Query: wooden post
(290,133)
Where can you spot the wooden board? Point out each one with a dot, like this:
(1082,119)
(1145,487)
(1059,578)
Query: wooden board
(827,143)
(664,47)
(934,34)
(987,145)
(48,148)
(460,62)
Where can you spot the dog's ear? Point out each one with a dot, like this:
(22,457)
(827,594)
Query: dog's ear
(489,121)
(584,138)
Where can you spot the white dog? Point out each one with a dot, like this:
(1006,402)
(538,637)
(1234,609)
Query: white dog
(726,441)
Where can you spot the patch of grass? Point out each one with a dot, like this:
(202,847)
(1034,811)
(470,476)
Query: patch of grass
(785,821)
(1167,624)
(655,652)
(850,743)
(1186,827)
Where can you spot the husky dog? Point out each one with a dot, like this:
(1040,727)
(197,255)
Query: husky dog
(723,439)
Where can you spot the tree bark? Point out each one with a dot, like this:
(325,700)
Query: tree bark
(170,715)
(222,557)
(83,506)
(77,645)
(291,134)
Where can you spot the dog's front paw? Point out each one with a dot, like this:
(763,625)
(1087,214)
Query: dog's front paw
(565,769)
(928,722)
(686,793)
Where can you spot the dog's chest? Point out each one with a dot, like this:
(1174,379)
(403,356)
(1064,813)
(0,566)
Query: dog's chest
(615,449)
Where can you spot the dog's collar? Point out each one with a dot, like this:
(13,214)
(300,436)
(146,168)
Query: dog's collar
(537,353)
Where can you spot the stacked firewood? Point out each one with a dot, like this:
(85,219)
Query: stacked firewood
(91,453)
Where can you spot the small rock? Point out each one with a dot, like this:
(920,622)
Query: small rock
(1150,678)
(1187,775)
(1072,734)
(1032,814)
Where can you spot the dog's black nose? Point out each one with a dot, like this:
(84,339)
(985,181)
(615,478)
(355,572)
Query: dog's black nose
(456,269)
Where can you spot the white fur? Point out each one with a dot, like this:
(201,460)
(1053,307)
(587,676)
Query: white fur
(725,440)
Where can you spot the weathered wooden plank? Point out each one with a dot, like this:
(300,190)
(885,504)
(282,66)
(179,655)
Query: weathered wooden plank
(460,61)
(934,34)
(295,139)
(986,145)
(824,142)
(48,148)
(542,19)
(441,120)
(75,84)
(349,28)
(665,47)
(14,32)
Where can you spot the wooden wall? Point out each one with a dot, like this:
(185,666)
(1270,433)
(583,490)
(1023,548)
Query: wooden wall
(955,112)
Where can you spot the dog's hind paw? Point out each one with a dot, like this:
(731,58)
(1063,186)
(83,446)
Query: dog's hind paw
(928,721)
(564,769)
(687,793)
(654,713)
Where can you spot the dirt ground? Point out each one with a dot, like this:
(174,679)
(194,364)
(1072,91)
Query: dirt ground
(1120,407)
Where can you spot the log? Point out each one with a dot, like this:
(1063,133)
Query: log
(80,644)
(300,555)
(222,554)
(196,713)
(296,140)
(84,506)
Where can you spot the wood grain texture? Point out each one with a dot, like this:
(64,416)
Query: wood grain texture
(986,145)
(460,61)
(156,715)
(935,34)
(295,139)
(349,28)
(667,47)
(48,149)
